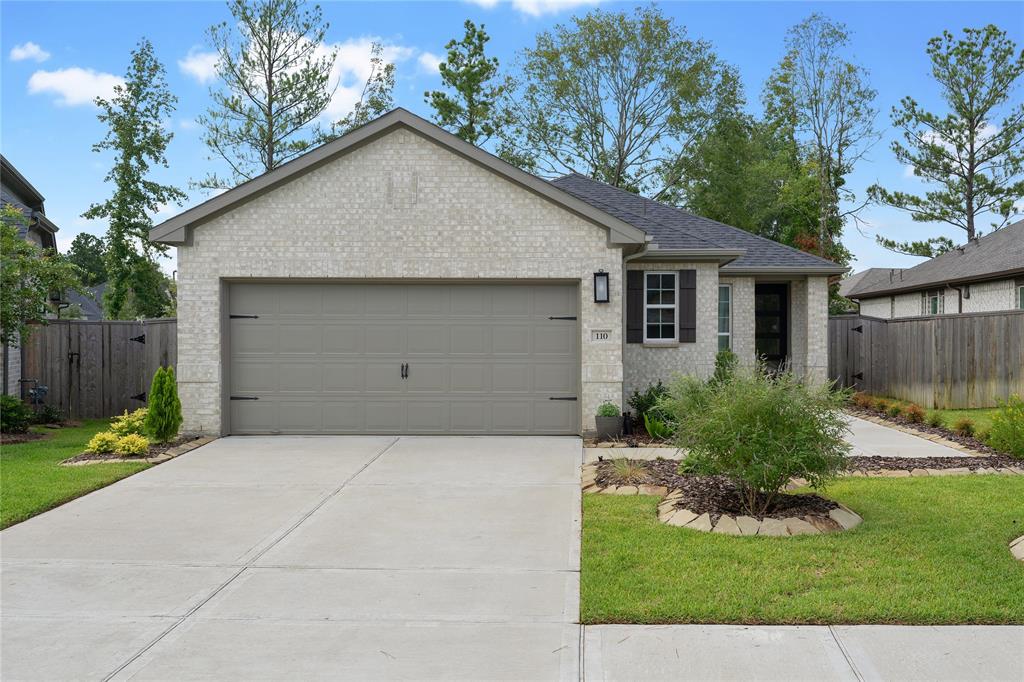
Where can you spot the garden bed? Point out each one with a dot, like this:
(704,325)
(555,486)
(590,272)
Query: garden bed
(960,440)
(157,452)
(16,438)
(973,463)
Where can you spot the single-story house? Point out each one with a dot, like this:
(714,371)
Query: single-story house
(400,280)
(984,275)
(17,191)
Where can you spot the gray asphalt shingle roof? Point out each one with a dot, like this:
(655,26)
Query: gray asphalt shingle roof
(674,228)
(999,252)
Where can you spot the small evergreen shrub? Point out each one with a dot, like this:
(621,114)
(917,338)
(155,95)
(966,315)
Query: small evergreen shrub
(863,400)
(964,426)
(132,444)
(15,416)
(894,410)
(760,431)
(1007,432)
(130,423)
(608,409)
(164,416)
(48,414)
(913,414)
(935,420)
(644,402)
(102,443)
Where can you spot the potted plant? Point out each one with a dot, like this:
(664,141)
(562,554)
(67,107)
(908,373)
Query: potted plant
(609,421)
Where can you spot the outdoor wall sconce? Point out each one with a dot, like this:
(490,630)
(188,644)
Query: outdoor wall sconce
(601,294)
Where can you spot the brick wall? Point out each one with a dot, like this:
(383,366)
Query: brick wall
(399,207)
(984,297)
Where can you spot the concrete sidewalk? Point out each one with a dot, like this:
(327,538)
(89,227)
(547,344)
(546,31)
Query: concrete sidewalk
(869,439)
(814,653)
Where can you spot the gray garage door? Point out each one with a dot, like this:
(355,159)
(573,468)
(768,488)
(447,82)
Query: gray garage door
(404,358)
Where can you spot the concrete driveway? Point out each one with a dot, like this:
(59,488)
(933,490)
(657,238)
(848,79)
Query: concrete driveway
(308,557)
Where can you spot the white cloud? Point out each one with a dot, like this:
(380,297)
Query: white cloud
(429,62)
(352,68)
(188,124)
(74,86)
(908,171)
(536,8)
(200,65)
(29,50)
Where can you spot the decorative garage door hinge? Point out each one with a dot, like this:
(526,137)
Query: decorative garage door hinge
(141,338)
(564,317)
(244,317)
(568,397)
(244,397)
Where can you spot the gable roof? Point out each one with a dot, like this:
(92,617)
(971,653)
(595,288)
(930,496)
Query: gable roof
(996,255)
(873,275)
(175,230)
(673,229)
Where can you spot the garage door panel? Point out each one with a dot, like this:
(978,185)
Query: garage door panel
(328,358)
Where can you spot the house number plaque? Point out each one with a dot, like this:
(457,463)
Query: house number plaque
(600,334)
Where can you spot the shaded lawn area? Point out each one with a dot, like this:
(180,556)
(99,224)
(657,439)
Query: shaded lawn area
(32,481)
(930,551)
(982,417)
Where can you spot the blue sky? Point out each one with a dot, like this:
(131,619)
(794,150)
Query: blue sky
(57,55)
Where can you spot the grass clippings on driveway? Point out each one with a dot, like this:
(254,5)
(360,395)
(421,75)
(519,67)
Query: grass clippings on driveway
(930,551)
(32,480)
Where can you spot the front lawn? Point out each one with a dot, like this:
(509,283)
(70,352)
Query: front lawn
(930,551)
(32,481)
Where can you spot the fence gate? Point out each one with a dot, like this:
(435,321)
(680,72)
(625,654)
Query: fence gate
(95,369)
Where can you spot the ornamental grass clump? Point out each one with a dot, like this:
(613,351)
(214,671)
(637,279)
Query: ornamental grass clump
(164,417)
(760,431)
(913,414)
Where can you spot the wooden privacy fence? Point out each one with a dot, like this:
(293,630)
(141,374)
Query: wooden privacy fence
(946,361)
(97,368)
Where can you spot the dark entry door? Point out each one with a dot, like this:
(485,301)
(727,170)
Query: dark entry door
(771,323)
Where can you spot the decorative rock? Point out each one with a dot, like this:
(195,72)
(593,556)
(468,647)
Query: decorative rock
(845,518)
(702,522)
(797,526)
(822,524)
(949,472)
(727,525)
(674,495)
(773,528)
(799,482)
(748,525)
(896,473)
(658,490)
(623,490)
(919,472)
(593,488)
(1017,548)
(682,517)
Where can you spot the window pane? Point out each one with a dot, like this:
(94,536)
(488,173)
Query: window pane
(723,293)
(653,297)
(723,342)
(723,325)
(668,281)
(668,297)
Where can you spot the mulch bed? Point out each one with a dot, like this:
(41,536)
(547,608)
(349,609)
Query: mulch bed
(966,441)
(877,463)
(15,438)
(716,495)
(154,450)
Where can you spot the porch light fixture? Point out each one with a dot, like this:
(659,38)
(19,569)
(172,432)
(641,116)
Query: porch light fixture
(601,294)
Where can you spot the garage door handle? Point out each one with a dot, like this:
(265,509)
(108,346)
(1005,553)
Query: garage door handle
(565,317)
(569,397)
(244,397)
(244,317)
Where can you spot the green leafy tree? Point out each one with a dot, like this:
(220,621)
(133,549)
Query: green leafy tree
(824,101)
(615,96)
(29,278)
(163,416)
(975,163)
(471,105)
(88,253)
(134,118)
(275,80)
(377,96)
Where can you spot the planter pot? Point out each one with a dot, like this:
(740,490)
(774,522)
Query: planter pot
(608,427)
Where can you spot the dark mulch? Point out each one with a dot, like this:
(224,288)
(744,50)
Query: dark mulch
(876,463)
(154,450)
(15,438)
(716,495)
(967,441)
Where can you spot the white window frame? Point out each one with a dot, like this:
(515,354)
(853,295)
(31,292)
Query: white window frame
(1020,296)
(718,318)
(662,306)
(926,301)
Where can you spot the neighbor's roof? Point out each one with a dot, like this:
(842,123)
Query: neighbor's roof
(872,275)
(996,255)
(673,229)
(175,230)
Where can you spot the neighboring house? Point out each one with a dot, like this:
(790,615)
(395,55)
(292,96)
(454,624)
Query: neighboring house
(400,280)
(89,305)
(984,275)
(18,191)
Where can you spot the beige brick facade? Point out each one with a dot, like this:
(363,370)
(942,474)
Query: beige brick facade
(399,207)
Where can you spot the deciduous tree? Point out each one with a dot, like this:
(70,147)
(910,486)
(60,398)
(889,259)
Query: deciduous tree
(87,252)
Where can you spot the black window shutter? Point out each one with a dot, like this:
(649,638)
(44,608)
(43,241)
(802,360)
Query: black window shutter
(687,306)
(634,306)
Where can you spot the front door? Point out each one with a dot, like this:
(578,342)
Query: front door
(771,323)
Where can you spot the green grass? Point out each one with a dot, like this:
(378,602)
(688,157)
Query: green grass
(982,417)
(930,551)
(32,481)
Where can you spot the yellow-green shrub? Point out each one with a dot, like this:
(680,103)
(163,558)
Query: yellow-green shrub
(132,444)
(130,423)
(102,443)
(1007,432)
